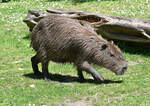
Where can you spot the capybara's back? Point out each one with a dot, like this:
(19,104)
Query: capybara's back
(60,39)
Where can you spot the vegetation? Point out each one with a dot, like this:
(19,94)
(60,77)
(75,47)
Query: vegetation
(18,85)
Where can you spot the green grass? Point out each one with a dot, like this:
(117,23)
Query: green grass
(18,85)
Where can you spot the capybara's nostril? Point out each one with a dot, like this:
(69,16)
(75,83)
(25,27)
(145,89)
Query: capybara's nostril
(124,69)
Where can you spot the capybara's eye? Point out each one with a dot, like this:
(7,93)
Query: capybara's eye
(104,46)
(112,55)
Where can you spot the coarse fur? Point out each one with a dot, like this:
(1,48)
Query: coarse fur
(60,39)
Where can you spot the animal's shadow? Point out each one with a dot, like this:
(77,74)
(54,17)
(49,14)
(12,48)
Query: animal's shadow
(70,79)
(81,1)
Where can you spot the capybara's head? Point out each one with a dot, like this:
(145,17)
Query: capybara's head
(109,56)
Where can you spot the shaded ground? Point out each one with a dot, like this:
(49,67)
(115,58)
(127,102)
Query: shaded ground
(70,79)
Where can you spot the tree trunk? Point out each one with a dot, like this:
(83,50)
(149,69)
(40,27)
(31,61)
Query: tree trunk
(109,26)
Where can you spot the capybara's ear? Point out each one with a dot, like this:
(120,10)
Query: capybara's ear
(104,46)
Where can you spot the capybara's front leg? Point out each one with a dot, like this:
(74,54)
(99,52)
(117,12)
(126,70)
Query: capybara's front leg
(80,74)
(89,69)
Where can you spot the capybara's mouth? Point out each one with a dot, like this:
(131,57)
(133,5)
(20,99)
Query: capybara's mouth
(119,72)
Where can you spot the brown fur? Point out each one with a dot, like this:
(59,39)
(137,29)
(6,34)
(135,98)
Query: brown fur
(61,39)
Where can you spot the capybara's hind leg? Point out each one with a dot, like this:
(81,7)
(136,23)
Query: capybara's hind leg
(45,71)
(35,60)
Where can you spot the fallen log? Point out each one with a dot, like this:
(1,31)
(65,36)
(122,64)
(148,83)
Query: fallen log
(109,26)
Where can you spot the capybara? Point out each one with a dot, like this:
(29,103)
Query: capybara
(61,39)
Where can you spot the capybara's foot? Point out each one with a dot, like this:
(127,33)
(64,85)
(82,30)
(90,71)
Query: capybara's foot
(98,78)
(37,73)
(81,80)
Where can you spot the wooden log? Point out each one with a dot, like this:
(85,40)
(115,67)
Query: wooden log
(109,26)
